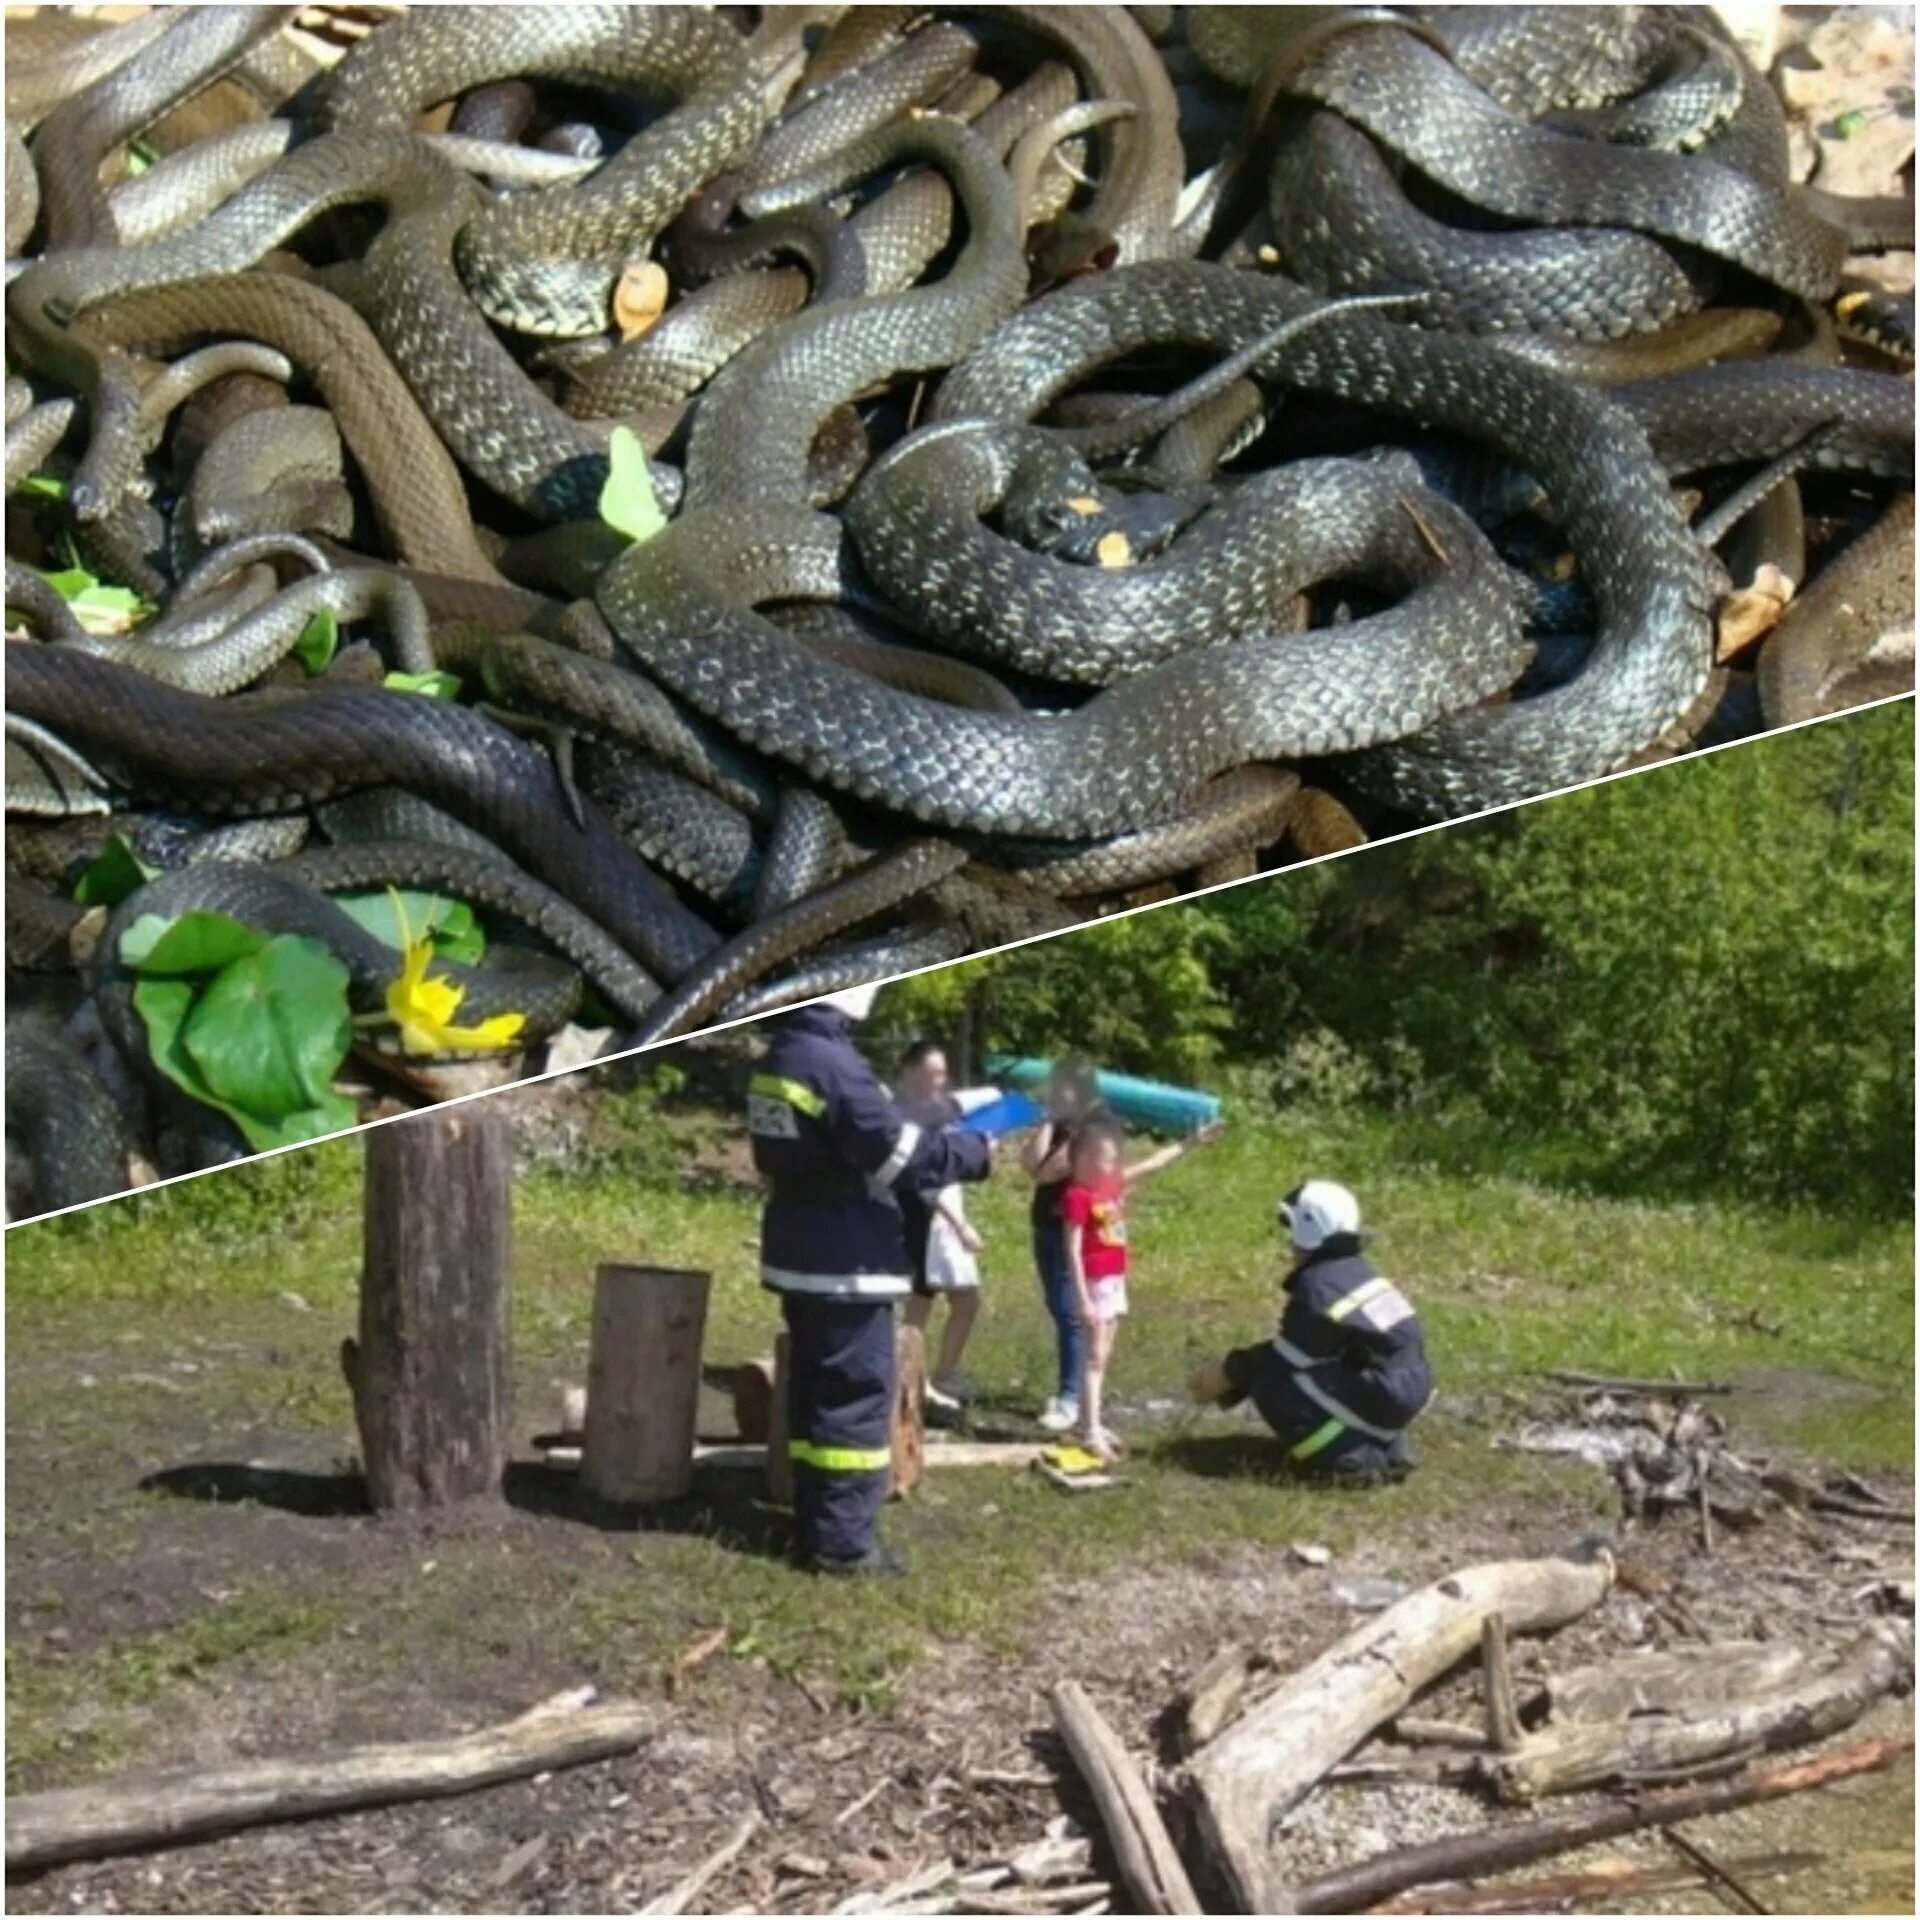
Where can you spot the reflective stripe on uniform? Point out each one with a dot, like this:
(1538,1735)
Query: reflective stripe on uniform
(1369,1290)
(795,1093)
(895,1164)
(1321,1437)
(1303,1365)
(854,1286)
(809,1453)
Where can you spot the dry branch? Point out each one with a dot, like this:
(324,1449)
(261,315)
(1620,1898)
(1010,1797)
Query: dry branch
(1584,1754)
(1564,1892)
(83,1823)
(1149,1866)
(1250,1778)
(1472,1856)
(686,1890)
(1503,1717)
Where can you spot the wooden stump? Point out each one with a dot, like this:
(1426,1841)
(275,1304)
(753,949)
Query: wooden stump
(909,1436)
(431,1371)
(643,1383)
(780,1427)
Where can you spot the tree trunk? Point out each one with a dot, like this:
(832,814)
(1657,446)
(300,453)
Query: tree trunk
(909,1435)
(1472,1856)
(431,1372)
(1581,1754)
(83,1823)
(1256,1772)
(643,1383)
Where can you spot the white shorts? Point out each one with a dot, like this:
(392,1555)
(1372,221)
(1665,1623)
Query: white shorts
(951,1266)
(1108,1297)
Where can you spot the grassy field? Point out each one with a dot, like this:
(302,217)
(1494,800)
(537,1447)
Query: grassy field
(256,1274)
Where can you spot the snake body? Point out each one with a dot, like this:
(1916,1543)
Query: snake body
(969,620)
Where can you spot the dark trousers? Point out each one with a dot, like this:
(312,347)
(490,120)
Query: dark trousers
(840,1419)
(1056,1283)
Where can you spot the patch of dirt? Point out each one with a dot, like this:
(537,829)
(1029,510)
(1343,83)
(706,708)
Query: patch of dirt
(962,1767)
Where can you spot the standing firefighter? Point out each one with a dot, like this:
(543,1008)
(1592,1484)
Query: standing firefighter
(1347,1373)
(834,1149)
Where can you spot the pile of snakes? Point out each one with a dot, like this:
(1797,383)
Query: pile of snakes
(1100,450)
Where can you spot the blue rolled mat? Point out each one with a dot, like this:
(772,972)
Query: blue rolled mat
(1140,1103)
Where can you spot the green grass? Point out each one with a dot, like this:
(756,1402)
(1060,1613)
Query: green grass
(83,1713)
(1511,1278)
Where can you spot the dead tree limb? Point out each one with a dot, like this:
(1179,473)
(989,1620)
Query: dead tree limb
(1718,1874)
(1252,1777)
(1214,1696)
(689,1887)
(1472,1856)
(1588,1754)
(1567,1892)
(83,1823)
(1503,1717)
(1149,1866)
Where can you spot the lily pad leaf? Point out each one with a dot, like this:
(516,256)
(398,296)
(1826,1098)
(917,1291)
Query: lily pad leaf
(270,1031)
(319,641)
(435,685)
(628,503)
(400,917)
(115,871)
(187,943)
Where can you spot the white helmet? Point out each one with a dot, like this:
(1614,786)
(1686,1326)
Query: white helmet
(1314,1212)
(855,1002)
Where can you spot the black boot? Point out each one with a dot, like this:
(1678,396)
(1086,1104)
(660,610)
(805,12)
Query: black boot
(878,1563)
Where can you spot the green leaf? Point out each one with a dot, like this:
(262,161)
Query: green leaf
(187,943)
(319,641)
(270,1031)
(44,486)
(1850,125)
(628,503)
(114,608)
(140,156)
(435,685)
(448,922)
(165,1006)
(115,872)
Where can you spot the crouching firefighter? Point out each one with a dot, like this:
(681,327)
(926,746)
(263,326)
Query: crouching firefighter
(834,1150)
(1347,1373)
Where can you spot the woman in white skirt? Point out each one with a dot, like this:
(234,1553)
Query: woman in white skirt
(943,1243)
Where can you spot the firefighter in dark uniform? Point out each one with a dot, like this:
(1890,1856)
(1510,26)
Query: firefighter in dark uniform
(835,1151)
(1347,1373)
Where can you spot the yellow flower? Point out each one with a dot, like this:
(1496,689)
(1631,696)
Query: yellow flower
(423,1007)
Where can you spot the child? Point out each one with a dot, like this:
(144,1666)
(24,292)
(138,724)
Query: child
(1093,1211)
(942,1244)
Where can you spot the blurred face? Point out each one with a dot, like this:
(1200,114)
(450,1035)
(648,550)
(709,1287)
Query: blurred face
(1098,1158)
(927,1078)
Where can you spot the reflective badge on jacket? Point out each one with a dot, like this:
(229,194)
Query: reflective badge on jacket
(1379,1303)
(771,1117)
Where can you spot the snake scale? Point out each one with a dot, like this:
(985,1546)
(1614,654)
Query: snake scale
(1041,506)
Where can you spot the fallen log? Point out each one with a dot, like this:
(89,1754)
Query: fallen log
(1608,1880)
(1473,1856)
(1150,1868)
(84,1823)
(1254,1774)
(1581,1754)
(1673,1681)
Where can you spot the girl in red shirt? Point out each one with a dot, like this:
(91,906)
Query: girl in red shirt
(1093,1218)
